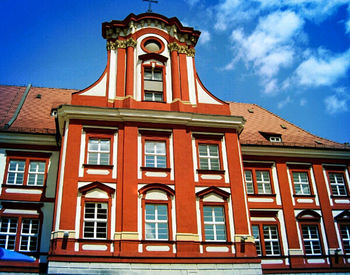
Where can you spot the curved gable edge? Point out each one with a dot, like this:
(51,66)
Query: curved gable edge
(204,96)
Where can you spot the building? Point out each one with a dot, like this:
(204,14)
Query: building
(146,171)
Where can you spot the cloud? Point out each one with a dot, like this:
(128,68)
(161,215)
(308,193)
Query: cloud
(192,2)
(284,102)
(270,87)
(205,37)
(335,105)
(302,102)
(347,26)
(269,46)
(324,70)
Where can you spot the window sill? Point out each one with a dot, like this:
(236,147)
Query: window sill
(304,196)
(340,196)
(155,169)
(98,166)
(154,101)
(25,186)
(216,172)
(262,195)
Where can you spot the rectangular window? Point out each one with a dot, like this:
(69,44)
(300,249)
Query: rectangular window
(36,173)
(268,244)
(214,223)
(258,181)
(99,151)
(311,238)
(301,183)
(15,173)
(8,230)
(95,220)
(156,222)
(155,154)
(256,235)
(153,84)
(345,235)
(263,182)
(337,184)
(249,181)
(29,235)
(209,156)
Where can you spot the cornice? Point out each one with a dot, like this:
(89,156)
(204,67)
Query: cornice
(295,152)
(67,112)
(116,44)
(29,139)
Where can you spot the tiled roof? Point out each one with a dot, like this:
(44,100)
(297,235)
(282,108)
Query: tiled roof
(35,117)
(260,124)
(35,114)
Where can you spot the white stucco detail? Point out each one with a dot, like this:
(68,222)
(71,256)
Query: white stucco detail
(157,248)
(342,201)
(171,157)
(327,186)
(97,172)
(112,85)
(313,184)
(191,79)
(231,221)
(204,97)
(94,247)
(217,249)
(260,200)
(290,183)
(262,219)
(211,177)
(212,197)
(115,155)
(283,231)
(194,157)
(156,195)
(82,153)
(99,89)
(199,223)
(97,193)
(52,175)
(315,261)
(275,184)
(21,211)
(224,160)
(277,261)
(305,200)
(173,217)
(77,217)
(139,156)
(156,174)
(23,191)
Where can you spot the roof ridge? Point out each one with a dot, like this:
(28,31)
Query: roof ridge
(277,116)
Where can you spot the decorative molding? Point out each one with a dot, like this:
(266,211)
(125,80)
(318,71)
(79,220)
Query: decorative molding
(181,49)
(246,238)
(113,45)
(131,43)
(191,52)
(187,237)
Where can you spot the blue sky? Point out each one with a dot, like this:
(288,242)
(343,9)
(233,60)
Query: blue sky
(291,57)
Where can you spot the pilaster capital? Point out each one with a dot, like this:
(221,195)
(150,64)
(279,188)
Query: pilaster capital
(113,45)
(131,42)
(173,46)
(191,52)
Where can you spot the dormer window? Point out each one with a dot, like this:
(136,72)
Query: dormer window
(153,83)
(275,139)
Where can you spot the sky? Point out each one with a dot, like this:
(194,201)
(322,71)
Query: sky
(291,57)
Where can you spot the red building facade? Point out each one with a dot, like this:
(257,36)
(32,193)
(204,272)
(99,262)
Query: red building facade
(155,174)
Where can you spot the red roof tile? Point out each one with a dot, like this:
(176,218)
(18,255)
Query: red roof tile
(261,122)
(35,114)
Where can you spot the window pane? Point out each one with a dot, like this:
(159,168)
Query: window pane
(150,212)
(150,147)
(93,157)
(158,75)
(213,150)
(160,147)
(202,149)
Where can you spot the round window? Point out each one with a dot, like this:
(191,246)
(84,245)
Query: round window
(152,45)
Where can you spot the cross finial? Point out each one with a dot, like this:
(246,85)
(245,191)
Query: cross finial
(150,3)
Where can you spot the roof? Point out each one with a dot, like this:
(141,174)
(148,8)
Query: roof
(261,124)
(35,117)
(35,114)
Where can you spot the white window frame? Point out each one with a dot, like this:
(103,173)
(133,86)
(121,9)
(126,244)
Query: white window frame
(156,222)
(95,220)
(301,184)
(31,235)
(151,92)
(36,173)
(263,182)
(7,233)
(249,182)
(99,152)
(154,154)
(345,237)
(257,239)
(270,240)
(309,239)
(275,139)
(16,171)
(336,185)
(214,223)
(208,157)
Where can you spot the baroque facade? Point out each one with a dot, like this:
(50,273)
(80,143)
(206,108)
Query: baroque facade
(147,171)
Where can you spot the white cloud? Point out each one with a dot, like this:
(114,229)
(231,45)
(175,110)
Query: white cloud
(284,102)
(270,87)
(324,70)
(205,37)
(302,102)
(269,46)
(335,105)
(347,27)
(192,2)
